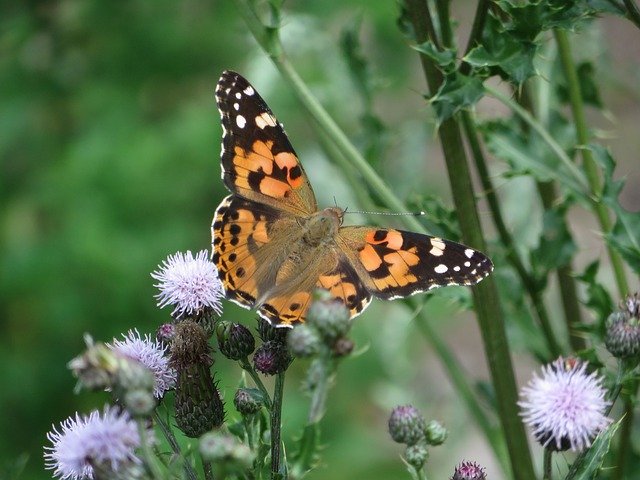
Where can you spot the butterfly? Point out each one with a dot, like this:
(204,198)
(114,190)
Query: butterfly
(273,247)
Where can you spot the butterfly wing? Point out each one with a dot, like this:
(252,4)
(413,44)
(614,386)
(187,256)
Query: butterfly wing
(396,263)
(258,161)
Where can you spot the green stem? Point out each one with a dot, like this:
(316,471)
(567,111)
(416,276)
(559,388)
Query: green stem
(633,13)
(590,165)
(527,280)
(546,468)
(475,36)
(464,391)
(208,470)
(247,367)
(421,474)
(577,180)
(145,446)
(446,34)
(173,443)
(276,425)
(486,299)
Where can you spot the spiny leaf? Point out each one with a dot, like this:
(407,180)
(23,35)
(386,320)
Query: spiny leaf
(445,59)
(457,92)
(598,299)
(589,463)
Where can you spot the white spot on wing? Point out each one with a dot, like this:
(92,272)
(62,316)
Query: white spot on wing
(249,91)
(241,121)
(469,253)
(265,119)
(236,106)
(467,264)
(442,268)
(238,95)
(456,268)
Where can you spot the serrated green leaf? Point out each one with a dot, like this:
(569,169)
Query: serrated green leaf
(589,463)
(443,58)
(556,247)
(598,299)
(527,153)
(457,92)
(499,48)
(588,87)
(625,235)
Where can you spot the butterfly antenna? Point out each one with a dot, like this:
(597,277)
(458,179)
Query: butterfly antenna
(414,214)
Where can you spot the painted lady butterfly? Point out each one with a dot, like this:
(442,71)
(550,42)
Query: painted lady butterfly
(273,247)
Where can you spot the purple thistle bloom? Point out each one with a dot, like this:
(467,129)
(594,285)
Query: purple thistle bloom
(191,284)
(469,471)
(565,407)
(107,439)
(151,354)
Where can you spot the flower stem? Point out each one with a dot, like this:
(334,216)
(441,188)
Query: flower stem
(486,299)
(505,236)
(208,471)
(421,474)
(589,164)
(546,469)
(145,446)
(276,424)
(247,367)
(173,443)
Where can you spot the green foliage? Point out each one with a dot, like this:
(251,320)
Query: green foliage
(589,464)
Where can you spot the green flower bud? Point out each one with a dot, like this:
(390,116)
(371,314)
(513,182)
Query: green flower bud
(248,400)
(226,452)
(435,433)
(234,340)
(416,455)
(304,341)
(140,402)
(330,317)
(268,332)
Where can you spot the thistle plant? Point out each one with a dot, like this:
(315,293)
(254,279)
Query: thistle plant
(550,300)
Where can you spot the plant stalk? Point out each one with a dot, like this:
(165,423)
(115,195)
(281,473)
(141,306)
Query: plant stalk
(276,425)
(486,299)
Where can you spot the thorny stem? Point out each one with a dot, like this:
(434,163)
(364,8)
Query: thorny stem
(276,425)
(247,367)
(591,169)
(633,13)
(507,240)
(486,299)
(546,468)
(208,471)
(173,443)
(590,166)
(145,447)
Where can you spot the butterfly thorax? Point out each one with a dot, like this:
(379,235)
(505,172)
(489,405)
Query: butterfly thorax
(322,227)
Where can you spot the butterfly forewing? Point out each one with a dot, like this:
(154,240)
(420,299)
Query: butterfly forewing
(258,161)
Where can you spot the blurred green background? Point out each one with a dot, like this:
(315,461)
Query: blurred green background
(109,147)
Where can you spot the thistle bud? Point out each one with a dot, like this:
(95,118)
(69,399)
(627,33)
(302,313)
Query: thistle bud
(622,335)
(330,317)
(416,455)
(271,358)
(435,433)
(304,341)
(235,341)
(248,401)
(197,402)
(226,452)
(407,425)
(268,332)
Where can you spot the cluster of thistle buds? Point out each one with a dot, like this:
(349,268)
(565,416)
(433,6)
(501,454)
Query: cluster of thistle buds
(622,337)
(409,427)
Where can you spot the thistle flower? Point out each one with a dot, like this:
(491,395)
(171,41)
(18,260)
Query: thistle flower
(622,337)
(234,340)
(107,440)
(152,354)
(190,284)
(469,471)
(565,407)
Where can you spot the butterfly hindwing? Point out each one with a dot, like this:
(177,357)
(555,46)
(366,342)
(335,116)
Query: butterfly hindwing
(397,263)
(258,161)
